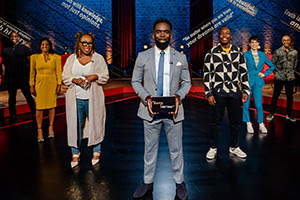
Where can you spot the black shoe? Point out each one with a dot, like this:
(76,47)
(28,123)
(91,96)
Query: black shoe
(142,190)
(12,119)
(181,191)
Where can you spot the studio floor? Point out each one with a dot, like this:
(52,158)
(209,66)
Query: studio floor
(31,170)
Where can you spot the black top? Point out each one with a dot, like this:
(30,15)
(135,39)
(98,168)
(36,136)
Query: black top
(15,60)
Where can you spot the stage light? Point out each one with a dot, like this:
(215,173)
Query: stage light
(145,46)
(181,46)
(181,51)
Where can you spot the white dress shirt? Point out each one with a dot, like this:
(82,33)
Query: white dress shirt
(166,82)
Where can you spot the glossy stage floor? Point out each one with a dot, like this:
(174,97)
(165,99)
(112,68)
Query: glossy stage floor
(29,170)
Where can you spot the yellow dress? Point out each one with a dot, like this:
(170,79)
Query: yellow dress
(45,76)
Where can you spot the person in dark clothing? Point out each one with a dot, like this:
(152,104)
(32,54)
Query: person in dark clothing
(15,70)
(225,78)
(285,60)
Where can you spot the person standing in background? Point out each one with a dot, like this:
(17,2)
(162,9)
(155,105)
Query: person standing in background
(15,70)
(84,73)
(45,83)
(224,71)
(285,60)
(255,61)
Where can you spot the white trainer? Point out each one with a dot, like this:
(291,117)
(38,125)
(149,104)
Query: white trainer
(291,118)
(249,128)
(262,128)
(270,117)
(238,152)
(211,154)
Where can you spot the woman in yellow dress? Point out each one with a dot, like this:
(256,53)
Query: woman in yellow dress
(45,83)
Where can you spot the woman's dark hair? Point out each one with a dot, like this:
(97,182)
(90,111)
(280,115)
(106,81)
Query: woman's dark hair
(78,36)
(162,20)
(254,38)
(51,50)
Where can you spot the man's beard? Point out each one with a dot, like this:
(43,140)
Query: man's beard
(163,45)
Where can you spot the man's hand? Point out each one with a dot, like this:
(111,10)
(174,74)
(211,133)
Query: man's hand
(245,97)
(149,104)
(3,71)
(211,100)
(177,99)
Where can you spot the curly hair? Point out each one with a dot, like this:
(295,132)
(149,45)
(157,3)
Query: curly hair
(78,36)
(51,50)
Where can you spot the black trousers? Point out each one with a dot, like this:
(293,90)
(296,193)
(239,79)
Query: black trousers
(13,84)
(289,87)
(232,102)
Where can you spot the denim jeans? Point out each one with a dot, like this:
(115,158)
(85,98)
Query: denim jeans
(83,108)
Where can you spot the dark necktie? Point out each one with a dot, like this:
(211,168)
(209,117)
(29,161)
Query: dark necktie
(160,78)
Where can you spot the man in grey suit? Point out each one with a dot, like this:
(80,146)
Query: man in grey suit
(160,71)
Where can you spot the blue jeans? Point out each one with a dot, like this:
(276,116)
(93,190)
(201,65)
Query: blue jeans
(83,107)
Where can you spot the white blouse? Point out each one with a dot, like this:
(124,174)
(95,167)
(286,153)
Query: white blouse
(78,71)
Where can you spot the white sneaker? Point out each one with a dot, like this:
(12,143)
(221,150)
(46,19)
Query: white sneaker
(270,117)
(238,152)
(211,154)
(291,118)
(249,128)
(262,128)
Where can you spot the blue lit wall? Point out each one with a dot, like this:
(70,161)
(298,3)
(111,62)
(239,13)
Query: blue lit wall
(52,19)
(49,18)
(148,11)
(268,23)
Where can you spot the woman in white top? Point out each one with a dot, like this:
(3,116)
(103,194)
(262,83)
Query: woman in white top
(85,72)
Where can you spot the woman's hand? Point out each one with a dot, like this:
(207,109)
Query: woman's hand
(79,81)
(261,75)
(58,89)
(32,90)
(90,78)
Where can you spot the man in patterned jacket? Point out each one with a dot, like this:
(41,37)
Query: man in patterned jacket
(285,60)
(224,71)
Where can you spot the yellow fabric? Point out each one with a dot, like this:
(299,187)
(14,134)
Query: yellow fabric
(226,50)
(45,76)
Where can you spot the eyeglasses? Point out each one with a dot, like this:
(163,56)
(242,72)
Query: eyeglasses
(86,44)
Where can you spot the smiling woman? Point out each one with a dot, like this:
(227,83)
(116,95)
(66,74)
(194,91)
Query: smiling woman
(84,73)
(45,83)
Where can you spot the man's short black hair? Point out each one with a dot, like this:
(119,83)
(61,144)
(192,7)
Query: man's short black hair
(162,20)
(12,33)
(254,38)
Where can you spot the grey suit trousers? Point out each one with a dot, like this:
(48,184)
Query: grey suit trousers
(174,136)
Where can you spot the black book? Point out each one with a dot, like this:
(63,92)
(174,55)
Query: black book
(163,104)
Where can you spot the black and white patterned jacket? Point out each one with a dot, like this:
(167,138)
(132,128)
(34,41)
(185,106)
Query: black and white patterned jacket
(223,73)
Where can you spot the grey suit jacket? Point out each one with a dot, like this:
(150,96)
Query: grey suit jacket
(144,80)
